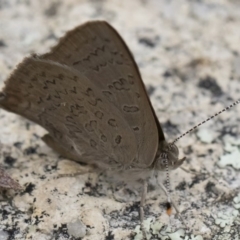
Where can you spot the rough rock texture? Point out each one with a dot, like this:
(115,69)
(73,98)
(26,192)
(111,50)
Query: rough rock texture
(188,54)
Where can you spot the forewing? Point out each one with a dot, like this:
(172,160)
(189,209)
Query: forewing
(97,51)
(73,109)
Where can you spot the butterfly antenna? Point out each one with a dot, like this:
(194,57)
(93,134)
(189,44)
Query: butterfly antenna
(168,180)
(201,123)
(171,203)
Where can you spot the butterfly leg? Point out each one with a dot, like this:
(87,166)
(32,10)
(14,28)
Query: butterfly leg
(142,203)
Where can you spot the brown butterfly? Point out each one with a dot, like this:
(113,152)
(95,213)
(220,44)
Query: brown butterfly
(88,94)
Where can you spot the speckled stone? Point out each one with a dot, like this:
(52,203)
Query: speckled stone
(188,54)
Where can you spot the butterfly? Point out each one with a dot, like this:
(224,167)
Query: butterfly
(87,92)
(89,95)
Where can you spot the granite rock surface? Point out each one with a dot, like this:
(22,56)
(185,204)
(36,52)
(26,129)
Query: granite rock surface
(188,55)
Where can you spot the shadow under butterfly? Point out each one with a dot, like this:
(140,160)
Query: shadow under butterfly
(88,94)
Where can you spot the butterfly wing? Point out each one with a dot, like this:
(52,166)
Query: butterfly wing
(72,109)
(89,76)
(99,52)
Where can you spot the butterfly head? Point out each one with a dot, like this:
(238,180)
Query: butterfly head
(167,157)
